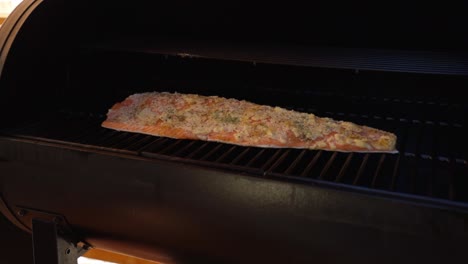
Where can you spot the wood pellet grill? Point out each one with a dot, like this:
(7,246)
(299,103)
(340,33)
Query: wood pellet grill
(73,183)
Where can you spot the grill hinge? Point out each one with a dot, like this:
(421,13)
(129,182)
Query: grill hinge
(53,240)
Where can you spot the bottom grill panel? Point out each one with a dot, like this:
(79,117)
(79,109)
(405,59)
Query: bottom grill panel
(184,213)
(431,163)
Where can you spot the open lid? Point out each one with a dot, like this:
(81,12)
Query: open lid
(383,36)
(439,26)
(387,36)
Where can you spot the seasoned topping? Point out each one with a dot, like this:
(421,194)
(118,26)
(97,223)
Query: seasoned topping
(245,123)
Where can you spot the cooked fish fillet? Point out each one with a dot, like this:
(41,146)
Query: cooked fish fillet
(213,118)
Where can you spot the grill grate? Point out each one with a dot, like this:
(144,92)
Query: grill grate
(432,162)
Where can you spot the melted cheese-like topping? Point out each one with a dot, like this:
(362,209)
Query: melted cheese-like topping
(208,117)
(204,115)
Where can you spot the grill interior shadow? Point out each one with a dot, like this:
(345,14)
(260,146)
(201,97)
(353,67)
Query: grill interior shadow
(431,161)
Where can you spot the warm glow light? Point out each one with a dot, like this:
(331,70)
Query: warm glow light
(6,6)
(84,260)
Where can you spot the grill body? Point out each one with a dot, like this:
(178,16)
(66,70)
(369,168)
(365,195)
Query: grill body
(182,201)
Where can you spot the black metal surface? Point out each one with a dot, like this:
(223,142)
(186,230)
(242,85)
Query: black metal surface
(10,215)
(15,244)
(391,24)
(45,244)
(356,59)
(50,246)
(182,214)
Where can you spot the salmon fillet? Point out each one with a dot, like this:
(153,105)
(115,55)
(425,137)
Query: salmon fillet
(213,118)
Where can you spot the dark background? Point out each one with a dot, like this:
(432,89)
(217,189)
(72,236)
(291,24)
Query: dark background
(15,244)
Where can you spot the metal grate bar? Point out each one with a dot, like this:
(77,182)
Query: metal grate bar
(451,192)
(241,155)
(327,166)
(344,168)
(413,171)
(211,152)
(225,154)
(377,170)
(255,158)
(130,142)
(171,146)
(361,169)
(113,139)
(94,138)
(293,165)
(154,144)
(431,178)
(279,161)
(271,159)
(184,148)
(88,134)
(311,164)
(395,173)
(127,141)
(138,144)
(198,150)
